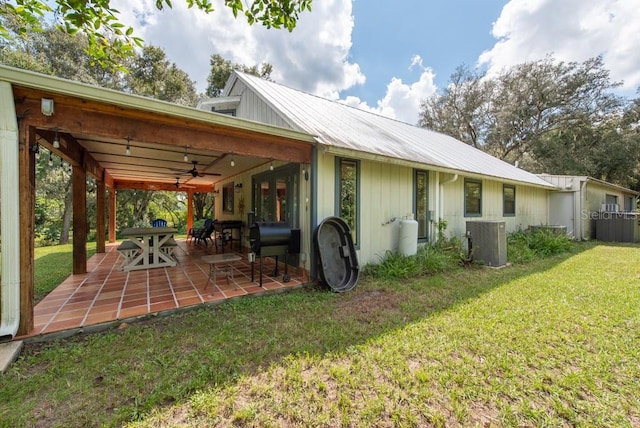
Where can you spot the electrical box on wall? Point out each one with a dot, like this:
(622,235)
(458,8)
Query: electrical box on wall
(488,242)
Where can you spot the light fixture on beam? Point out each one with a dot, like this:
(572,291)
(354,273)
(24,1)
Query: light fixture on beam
(56,141)
(47,106)
(128,149)
(50,159)
(271,166)
(233,162)
(185,158)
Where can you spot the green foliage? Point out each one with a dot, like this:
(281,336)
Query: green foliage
(221,69)
(527,246)
(152,75)
(109,42)
(550,116)
(429,259)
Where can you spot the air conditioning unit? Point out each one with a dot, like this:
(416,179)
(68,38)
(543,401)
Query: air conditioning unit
(488,242)
(610,208)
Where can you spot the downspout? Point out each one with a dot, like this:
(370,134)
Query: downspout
(10,212)
(583,199)
(441,201)
(313,212)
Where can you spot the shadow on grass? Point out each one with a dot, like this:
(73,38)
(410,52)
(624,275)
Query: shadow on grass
(121,375)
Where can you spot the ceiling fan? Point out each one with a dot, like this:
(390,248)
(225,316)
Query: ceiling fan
(194,171)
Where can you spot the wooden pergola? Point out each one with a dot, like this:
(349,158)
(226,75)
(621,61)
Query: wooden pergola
(125,142)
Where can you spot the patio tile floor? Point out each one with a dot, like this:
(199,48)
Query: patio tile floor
(106,294)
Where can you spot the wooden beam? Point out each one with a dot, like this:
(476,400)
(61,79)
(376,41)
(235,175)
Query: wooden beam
(27,195)
(148,127)
(79,187)
(100,217)
(71,151)
(168,187)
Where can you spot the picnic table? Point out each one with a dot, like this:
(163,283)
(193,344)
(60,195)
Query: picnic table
(151,242)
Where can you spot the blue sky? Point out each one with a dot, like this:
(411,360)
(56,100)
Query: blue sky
(444,34)
(387,56)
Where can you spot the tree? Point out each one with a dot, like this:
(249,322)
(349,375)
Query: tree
(549,116)
(202,205)
(221,70)
(55,53)
(151,74)
(109,41)
(63,55)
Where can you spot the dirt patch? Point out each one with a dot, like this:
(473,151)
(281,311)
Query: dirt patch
(368,306)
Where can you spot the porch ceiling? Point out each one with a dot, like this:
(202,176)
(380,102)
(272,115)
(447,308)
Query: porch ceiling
(94,127)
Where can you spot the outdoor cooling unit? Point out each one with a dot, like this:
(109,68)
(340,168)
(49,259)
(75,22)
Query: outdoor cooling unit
(488,242)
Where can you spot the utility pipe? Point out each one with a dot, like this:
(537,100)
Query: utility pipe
(10,212)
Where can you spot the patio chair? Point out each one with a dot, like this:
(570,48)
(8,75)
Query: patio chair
(194,232)
(206,233)
(159,222)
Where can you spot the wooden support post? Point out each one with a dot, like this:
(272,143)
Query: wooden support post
(79,187)
(100,217)
(112,215)
(27,195)
(189,209)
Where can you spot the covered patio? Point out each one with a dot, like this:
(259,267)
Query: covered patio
(106,296)
(123,141)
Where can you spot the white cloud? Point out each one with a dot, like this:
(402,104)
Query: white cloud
(571,30)
(402,100)
(313,58)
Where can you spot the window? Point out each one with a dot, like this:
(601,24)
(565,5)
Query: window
(472,198)
(508,200)
(630,204)
(348,194)
(421,203)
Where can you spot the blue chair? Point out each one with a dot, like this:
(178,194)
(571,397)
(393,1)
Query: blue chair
(159,223)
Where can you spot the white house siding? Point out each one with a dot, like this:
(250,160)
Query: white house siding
(531,205)
(252,107)
(386,193)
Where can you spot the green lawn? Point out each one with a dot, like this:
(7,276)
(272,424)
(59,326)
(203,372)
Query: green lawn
(552,343)
(52,265)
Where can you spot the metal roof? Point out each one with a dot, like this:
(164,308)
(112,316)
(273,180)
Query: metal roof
(337,125)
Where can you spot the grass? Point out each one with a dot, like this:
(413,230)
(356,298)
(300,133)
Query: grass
(52,265)
(550,343)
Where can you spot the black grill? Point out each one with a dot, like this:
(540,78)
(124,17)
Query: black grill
(273,239)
